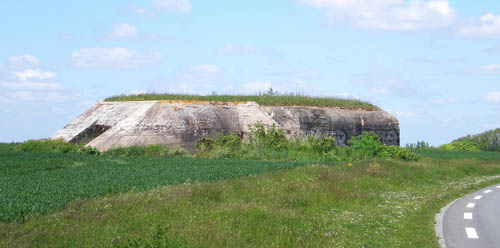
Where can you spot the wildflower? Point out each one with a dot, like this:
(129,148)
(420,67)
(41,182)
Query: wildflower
(349,164)
(283,179)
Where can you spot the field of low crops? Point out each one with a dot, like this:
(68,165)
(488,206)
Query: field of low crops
(33,184)
(72,199)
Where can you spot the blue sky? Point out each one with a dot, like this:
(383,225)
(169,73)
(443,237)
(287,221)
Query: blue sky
(434,64)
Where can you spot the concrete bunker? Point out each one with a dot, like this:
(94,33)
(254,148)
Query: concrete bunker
(180,123)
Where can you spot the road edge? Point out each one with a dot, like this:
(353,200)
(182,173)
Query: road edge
(438,226)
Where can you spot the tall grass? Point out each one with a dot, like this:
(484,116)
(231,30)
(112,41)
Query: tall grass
(262,99)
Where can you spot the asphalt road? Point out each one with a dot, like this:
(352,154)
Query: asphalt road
(474,220)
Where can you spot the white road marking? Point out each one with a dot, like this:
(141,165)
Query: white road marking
(471,233)
(467,216)
(498,187)
(478,197)
(471,205)
(487,191)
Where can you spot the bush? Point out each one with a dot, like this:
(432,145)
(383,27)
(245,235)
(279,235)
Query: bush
(205,144)
(231,141)
(48,146)
(89,150)
(464,145)
(273,138)
(397,152)
(365,146)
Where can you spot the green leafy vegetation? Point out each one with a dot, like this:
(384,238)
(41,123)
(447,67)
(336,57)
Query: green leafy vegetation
(312,194)
(37,183)
(49,146)
(270,98)
(487,141)
(468,146)
(148,150)
(271,144)
(419,145)
(374,203)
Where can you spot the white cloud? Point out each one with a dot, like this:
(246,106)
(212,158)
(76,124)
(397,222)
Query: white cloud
(29,86)
(123,31)
(114,58)
(26,60)
(387,14)
(493,97)
(180,6)
(205,68)
(139,10)
(484,27)
(29,74)
(256,87)
(231,49)
(491,69)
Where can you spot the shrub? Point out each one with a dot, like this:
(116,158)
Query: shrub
(48,146)
(365,146)
(397,152)
(324,144)
(464,145)
(89,150)
(205,144)
(273,138)
(231,141)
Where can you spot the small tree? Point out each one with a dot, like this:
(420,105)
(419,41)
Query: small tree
(271,92)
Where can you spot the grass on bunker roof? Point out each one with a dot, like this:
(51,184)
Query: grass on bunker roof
(261,99)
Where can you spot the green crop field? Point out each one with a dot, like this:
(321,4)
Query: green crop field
(78,200)
(39,183)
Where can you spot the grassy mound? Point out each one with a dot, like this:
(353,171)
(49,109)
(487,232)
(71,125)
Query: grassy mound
(262,99)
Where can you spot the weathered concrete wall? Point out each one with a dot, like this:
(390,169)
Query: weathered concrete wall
(338,123)
(181,123)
